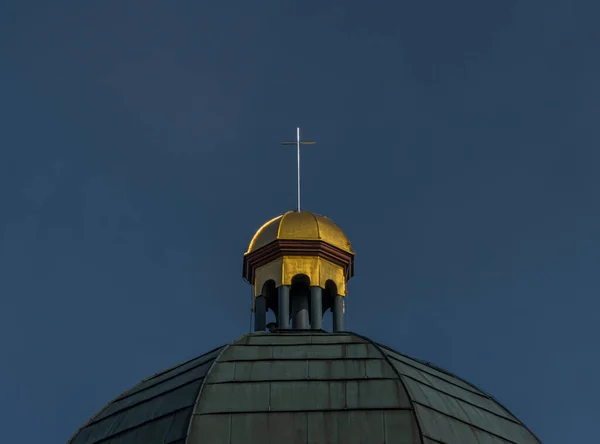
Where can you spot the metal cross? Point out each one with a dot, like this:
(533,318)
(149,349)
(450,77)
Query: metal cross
(298,143)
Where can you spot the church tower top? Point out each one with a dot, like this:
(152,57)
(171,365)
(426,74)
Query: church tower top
(304,257)
(299,257)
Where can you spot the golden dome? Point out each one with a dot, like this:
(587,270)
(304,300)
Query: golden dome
(303,225)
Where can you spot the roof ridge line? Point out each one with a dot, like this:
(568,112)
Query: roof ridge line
(462,421)
(197,401)
(281,222)
(514,421)
(387,359)
(483,392)
(134,404)
(317,224)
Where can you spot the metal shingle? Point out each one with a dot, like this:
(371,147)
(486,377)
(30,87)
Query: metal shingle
(342,369)
(451,431)
(401,427)
(348,427)
(210,429)
(173,371)
(300,369)
(259,371)
(363,351)
(330,351)
(376,393)
(156,390)
(269,339)
(302,339)
(272,428)
(362,426)
(307,395)
(240,397)
(467,413)
(160,406)
(432,371)
(451,389)
(246,353)
(304,387)
(329,338)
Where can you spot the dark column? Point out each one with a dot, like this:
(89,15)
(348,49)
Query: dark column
(338,313)
(284,307)
(260,313)
(300,308)
(316,308)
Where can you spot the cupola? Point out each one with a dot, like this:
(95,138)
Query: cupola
(299,264)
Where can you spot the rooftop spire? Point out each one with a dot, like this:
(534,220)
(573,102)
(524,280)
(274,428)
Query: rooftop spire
(298,143)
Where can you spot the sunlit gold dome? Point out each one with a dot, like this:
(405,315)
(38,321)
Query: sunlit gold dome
(303,225)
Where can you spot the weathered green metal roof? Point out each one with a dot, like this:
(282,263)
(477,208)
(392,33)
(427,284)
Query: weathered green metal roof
(157,410)
(304,387)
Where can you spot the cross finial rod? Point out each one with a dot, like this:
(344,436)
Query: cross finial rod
(298,143)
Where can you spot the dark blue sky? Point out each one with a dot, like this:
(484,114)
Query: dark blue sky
(458,147)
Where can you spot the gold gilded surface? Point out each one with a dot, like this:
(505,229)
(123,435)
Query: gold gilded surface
(330,271)
(296,225)
(332,234)
(300,226)
(284,269)
(265,234)
(272,270)
(295,265)
(318,270)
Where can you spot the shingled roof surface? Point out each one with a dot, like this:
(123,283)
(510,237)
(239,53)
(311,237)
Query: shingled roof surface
(304,387)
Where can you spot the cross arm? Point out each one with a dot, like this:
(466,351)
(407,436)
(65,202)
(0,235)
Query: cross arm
(296,143)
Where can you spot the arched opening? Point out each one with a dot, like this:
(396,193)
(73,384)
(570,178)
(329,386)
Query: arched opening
(329,294)
(300,301)
(265,301)
(333,301)
(269,291)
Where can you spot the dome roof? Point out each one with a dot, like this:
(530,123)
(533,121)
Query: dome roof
(302,225)
(304,387)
